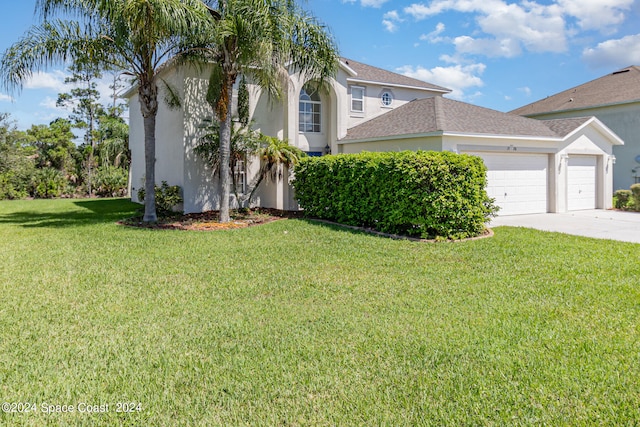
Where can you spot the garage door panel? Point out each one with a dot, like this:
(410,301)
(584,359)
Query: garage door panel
(581,183)
(517,182)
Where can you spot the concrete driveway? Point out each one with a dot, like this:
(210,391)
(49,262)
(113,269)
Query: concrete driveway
(601,224)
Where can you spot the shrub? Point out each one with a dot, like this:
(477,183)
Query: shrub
(10,187)
(168,197)
(110,181)
(635,195)
(622,199)
(425,194)
(47,183)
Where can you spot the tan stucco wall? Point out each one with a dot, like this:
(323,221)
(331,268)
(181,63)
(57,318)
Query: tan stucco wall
(413,144)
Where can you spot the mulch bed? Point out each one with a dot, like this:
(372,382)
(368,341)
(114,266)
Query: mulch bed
(209,221)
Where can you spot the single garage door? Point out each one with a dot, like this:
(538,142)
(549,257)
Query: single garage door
(517,182)
(581,183)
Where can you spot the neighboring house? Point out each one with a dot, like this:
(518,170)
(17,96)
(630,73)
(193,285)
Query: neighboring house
(534,166)
(615,100)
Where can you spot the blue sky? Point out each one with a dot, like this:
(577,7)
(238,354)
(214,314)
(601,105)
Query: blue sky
(499,54)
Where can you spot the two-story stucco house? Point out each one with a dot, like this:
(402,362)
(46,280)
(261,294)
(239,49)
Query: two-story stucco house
(368,108)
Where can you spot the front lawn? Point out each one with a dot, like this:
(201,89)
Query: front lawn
(298,323)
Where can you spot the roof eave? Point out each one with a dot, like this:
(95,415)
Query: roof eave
(348,69)
(391,137)
(397,85)
(601,127)
(503,136)
(570,110)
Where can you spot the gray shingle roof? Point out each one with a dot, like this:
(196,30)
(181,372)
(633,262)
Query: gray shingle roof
(438,114)
(618,87)
(374,74)
(563,127)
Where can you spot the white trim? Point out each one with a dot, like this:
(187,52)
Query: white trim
(506,149)
(387,84)
(390,138)
(616,140)
(348,69)
(551,115)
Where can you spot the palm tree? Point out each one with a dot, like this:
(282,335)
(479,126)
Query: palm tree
(260,39)
(273,153)
(138,36)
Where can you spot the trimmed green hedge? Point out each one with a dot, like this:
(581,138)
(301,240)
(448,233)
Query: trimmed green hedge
(425,194)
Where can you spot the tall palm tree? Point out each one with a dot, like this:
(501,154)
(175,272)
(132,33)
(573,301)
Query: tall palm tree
(138,36)
(260,39)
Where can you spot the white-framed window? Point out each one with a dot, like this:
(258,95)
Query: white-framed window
(357,99)
(310,114)
(386,98)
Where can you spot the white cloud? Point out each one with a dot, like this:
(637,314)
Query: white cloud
(7,98)
(50,103)
(372,3)
(458,77)
(526,90)
(506,47)
(597,14)
(434,36)
(47,80)
(538,28)
(618,52)
(389,25)
(390,20)
(368,3)
(509,27)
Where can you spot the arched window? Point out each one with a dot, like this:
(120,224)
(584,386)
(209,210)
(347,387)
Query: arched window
(310,111)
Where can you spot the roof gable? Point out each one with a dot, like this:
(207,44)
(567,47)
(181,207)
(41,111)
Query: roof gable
(621,86)
(368,73)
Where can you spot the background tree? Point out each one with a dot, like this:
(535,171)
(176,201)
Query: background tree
(113,139)
(258,38)
(84,101)
(17,164)
(137,36)
(54,147)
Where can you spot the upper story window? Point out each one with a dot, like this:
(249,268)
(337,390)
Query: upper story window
(357,99)
(386,98)
(310,111)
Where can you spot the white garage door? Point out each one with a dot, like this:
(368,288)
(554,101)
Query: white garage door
(581,183)
(517,182)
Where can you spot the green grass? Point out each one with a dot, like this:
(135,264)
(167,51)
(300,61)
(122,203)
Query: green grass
(298,323)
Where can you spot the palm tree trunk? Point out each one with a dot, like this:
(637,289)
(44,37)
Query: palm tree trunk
(149,106)
(225,151)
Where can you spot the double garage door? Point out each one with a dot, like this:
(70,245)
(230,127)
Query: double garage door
(519,182)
